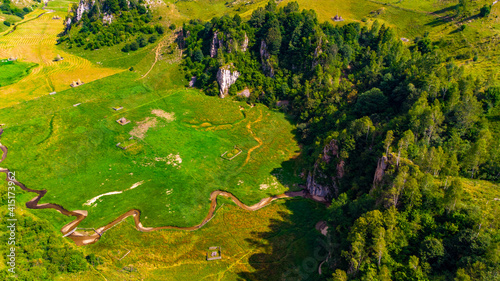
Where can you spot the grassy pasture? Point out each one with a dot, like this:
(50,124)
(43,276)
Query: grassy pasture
(260,245)
(71,152)
(11,72)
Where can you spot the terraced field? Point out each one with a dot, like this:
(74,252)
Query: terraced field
(35,41)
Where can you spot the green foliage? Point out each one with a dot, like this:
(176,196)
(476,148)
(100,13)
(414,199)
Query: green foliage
(359,87)
(370,102)
(129,24)
(485,11)
(41,253)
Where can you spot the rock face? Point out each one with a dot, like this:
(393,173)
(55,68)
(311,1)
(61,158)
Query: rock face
(192,82)
(216,44)
(313,186)
(83,6)
(107,19)
(244,46)
(324,189)
(265,59)
(382,165)
(245,93)
(226,76)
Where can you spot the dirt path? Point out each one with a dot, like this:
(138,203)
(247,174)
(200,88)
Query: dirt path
(158,54)
(82,238)
(249,127)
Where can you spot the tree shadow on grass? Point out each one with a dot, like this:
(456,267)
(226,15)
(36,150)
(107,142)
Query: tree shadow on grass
(292,249)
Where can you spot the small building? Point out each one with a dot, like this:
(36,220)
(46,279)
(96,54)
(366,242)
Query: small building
(116,108)
(56,17)
(214,253)
(123,121)
(12,58)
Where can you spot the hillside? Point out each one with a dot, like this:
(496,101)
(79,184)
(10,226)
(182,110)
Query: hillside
(310,140)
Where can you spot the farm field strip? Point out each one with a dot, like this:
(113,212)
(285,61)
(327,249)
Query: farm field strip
(35,41)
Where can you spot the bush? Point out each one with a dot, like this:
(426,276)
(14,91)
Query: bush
(152,39)
(7,23)
(126,48)
(142,41)
(134,46)
(26,10)
(172,26)
(19,14)
(159,29)
(131,68)
(485,11)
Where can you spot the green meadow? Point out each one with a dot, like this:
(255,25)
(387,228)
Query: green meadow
(71,151)
(13,71)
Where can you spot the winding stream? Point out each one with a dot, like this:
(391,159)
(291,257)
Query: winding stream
(82,238)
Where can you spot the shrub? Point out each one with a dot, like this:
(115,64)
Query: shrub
(134,46)
(7,23)
(152,39)
(126,48)
(142,41)
(159,29)
(26,10)
(485,11)
(172,26)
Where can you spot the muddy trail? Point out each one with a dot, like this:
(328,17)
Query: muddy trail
(84,237)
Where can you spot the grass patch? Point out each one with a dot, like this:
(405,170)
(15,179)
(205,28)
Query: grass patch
(260,245)
(11,72)
(80,147)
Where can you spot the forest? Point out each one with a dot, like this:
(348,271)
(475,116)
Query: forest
(366,104)
(128,21)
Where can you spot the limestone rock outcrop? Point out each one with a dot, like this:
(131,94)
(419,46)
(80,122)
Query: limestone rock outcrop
(244,46)
(216,44)
(382,165)
(226,76)
(83,6)
(265,58)
(107,19)
(313,186)
(320,184)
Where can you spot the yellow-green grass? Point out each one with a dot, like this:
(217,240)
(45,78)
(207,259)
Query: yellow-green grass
(61,5)
(13,71)
(406,23)
(207,9)
(261,245)
(33,15)
(35,41)
(10,18)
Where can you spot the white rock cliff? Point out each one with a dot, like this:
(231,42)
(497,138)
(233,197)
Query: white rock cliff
(226,78)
